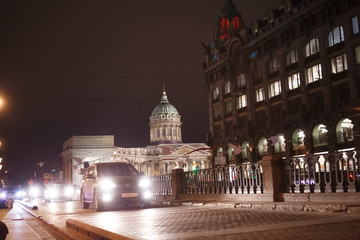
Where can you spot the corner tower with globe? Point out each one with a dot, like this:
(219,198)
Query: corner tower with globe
(165,123)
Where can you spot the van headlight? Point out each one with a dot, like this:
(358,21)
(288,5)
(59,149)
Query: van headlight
(144,182)
(106,185)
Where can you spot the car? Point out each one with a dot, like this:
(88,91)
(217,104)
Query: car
(3,198)
(58,191)
(16,193)
(114,183)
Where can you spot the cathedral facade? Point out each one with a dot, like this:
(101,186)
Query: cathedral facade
(165,152)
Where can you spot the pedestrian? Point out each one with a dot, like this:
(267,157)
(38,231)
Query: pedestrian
(3,231)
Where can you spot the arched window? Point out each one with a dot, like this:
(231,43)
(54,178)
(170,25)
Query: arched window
(336,36)
(245,149)
(274,65)
(344,131)
(263,146)
(230,152)
(312,47)
(279,145)
(219,151)
(298,139)
(320,135)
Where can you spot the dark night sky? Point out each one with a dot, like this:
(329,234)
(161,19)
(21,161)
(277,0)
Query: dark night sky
(96,67)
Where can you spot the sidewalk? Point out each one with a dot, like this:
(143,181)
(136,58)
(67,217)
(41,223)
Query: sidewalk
(76,229)
(18,228)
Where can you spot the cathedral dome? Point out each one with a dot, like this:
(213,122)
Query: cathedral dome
(164,107)
(165,123)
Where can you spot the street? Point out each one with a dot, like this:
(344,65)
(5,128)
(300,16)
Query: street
(200,222)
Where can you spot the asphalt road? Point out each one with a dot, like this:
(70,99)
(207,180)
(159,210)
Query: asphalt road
(200,222)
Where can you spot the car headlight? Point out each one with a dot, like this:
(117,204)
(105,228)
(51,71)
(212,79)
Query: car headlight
(106,185)
(69,191)
(20,194)
(144,183)
(53,192)
(3,195)
(34,191)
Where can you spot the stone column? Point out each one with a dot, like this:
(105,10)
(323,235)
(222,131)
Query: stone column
(273,176)
(177,183)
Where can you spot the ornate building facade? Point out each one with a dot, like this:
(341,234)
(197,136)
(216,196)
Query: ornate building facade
(288,84)
(165,152)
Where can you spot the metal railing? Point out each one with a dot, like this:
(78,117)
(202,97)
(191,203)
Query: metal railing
(241,179)
(338,172)
(161,185)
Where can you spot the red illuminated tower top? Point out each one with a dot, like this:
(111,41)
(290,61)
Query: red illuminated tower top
(230,22)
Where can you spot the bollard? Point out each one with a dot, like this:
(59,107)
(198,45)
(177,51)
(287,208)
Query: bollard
(3,231)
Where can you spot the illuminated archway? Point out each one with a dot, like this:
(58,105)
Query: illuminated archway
(279,146)
(344,131)
(263,146)
(245,149)
(298,139)
(320,135)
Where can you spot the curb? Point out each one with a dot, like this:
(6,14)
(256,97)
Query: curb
(33,207)
(24,206)
(335,207)
(94,232)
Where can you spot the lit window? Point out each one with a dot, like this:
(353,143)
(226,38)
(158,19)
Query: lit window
(241,80)
(294,81)
(217,111)
(312,47)
(228,107)
(260,95)
(320,135)
(259,73)
(357,54)
(275,88)
(355,25)
(313,73)
(339,64)
(216,93)
(274,65)
(241,101)
(344,131)
(227,87)
(336,36)
(291,57)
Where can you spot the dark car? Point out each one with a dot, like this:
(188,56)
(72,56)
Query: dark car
(114,183)
(3,198)
(59,191)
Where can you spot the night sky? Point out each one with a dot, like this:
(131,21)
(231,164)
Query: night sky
(96,67)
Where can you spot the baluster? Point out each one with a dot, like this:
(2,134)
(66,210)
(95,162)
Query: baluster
(327,174)
(318,185)
(297,176)
(339,176)
(351,172)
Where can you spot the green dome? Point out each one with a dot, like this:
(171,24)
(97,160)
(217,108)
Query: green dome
(229,10)
(164,107)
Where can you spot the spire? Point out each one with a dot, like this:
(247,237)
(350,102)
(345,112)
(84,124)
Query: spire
(230,22)
(164,91)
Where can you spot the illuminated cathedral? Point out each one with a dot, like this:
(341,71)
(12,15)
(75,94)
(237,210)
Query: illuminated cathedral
(165,152)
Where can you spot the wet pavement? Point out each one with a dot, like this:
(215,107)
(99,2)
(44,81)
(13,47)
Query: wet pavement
(197,221)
